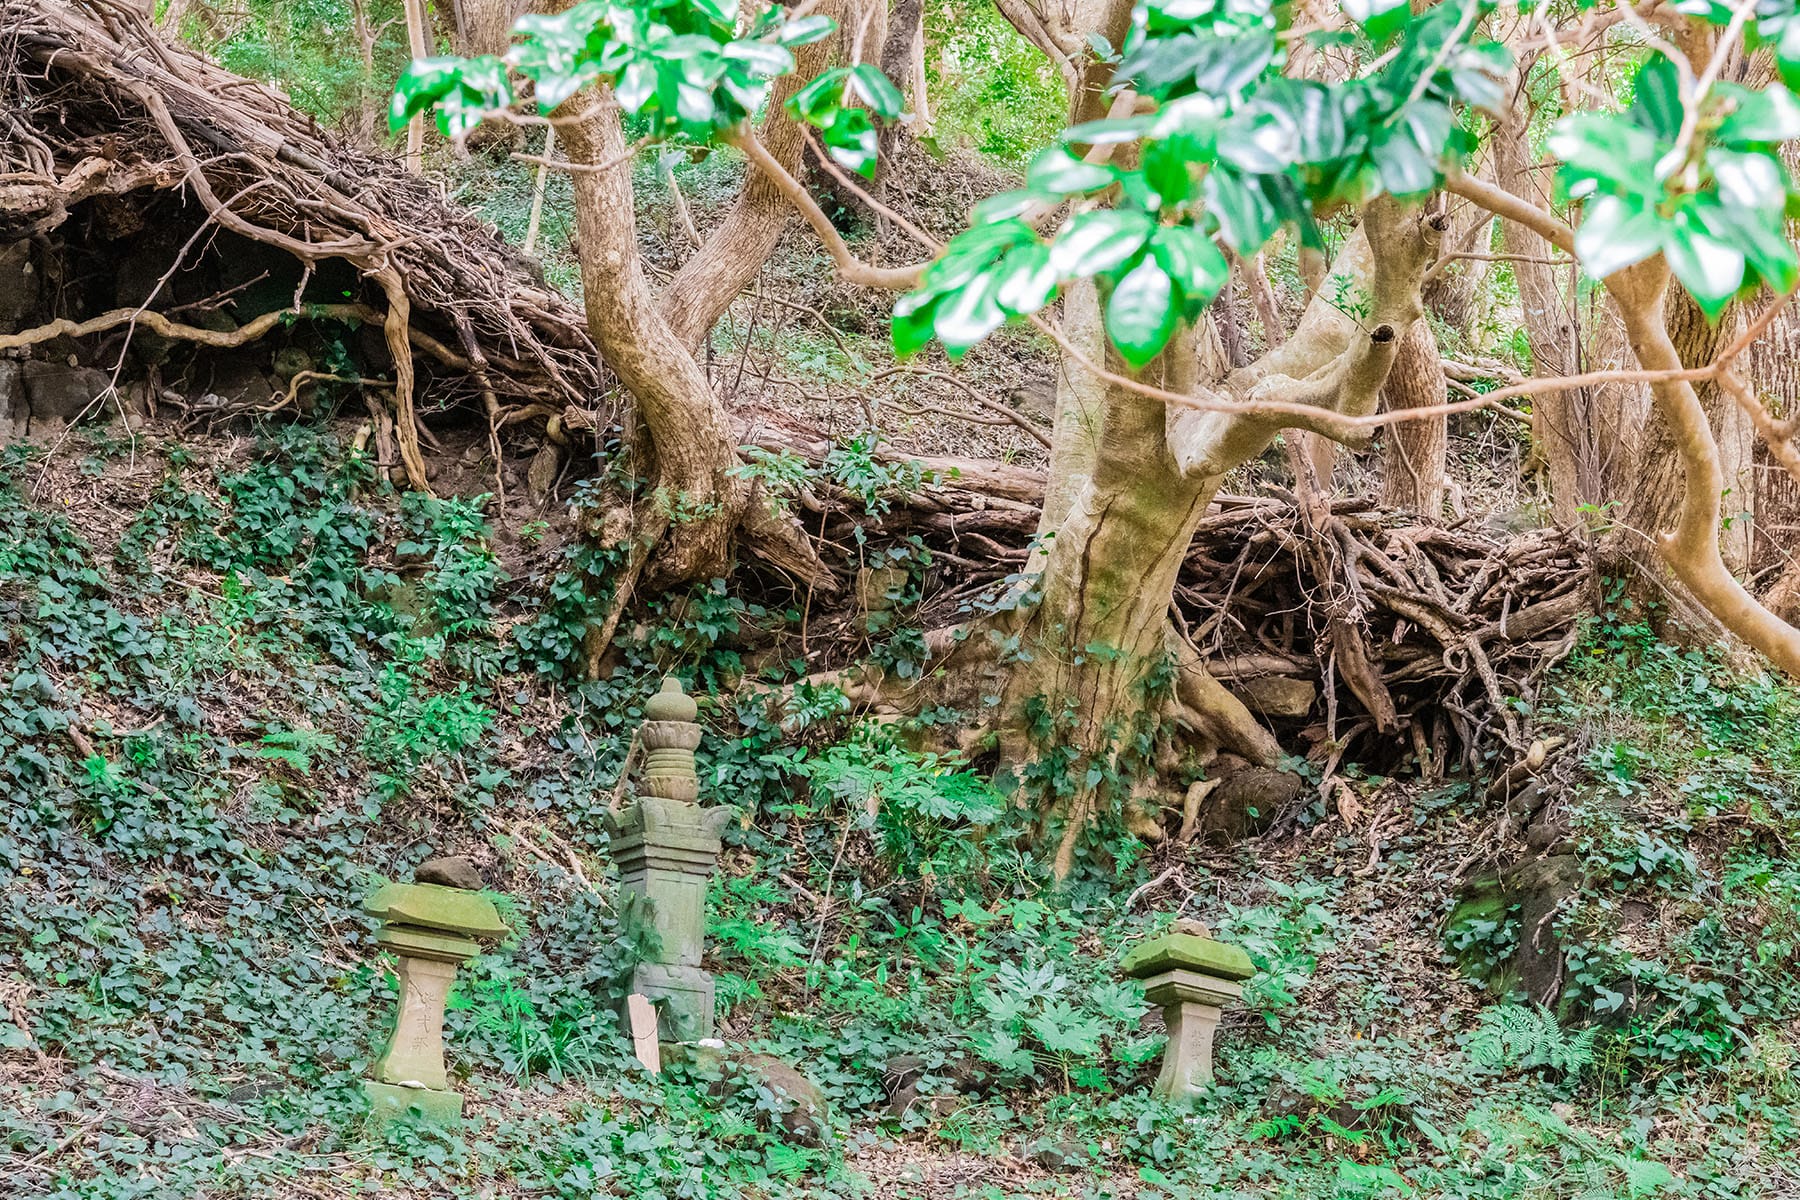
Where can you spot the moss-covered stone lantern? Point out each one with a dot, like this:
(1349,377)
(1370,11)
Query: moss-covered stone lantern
(667,848)
(431,930)
(1191,978)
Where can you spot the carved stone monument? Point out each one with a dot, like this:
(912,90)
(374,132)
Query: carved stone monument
(431,930)
(667,847)
(1191,978)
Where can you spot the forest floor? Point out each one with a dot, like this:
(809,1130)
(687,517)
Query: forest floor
(246,680)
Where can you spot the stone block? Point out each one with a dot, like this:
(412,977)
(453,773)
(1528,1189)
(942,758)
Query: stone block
(60,394)
(683,996)
(1187,952)
(432,906)
(390,1102)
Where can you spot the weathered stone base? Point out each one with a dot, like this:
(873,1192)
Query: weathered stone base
(683,997)
(390,1102)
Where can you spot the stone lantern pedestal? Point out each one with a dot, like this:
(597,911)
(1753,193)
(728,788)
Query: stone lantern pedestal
(431,930)
(667,848)
(1191,978)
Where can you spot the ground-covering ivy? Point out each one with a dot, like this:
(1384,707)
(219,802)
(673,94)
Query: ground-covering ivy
(243,680)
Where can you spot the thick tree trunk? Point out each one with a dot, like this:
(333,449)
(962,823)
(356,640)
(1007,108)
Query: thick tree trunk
(1413,458)
(1130,479)
(484,26)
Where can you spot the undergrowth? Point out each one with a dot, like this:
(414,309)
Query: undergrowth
(247,681)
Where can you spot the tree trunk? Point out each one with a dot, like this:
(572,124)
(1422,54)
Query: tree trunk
(694,496)
(484,26)
(1413,457)
(1130,479)
(708,282)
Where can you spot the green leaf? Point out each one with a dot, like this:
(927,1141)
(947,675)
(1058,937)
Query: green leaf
(819,101)
(1379,18)
(762,57)
(1616,233)
(1197,266)
(969,314)
(1141,314)
(1095,242)
(805,31)
(422,84)
(1758,118)
(1597,148)
(1751,178)
(1408,151)
(1057,170)
(1260,140)
(914,314)
(850,139)
(1246,218)
(1657,104)
(1026,280)
(877,91)
(1710,269)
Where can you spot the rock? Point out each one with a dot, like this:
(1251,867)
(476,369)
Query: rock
(1060,1154)
(792,1100)
(1246,802)
(541,475)
(1276,695)
(453,871)
(19,286)
(15,412)
(60,394)
(1542,887)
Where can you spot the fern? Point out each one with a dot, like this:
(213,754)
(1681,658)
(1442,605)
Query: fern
(1519,1036)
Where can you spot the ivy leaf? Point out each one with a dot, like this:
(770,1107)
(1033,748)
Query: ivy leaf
(1615,233)
(1096,242)
(1140,314)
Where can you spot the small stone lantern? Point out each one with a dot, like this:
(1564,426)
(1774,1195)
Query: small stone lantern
(1191,978)
(430,930)
(667,848)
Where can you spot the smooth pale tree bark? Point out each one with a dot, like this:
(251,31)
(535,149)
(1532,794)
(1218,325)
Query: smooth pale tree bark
(418,40)
(1413,475)
(1096,641)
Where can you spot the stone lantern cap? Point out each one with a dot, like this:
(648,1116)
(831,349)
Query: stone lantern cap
(426,920)
(1182,951)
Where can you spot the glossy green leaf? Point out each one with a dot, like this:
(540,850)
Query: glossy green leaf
(1763,117)
(1616,233)
(1140,314)
(1025,280)
(765,58)
(1711,270)
(912,326)
(969,314)
(806,30)
(1056,170)
(1246,218)
(422,83)
(877,91)
(1193,262)
(1095,242)
(1657,104)
(1408,153)
(1380,18)
(819,101)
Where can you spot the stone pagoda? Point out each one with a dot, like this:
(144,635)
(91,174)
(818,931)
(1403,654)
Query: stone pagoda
(667,848)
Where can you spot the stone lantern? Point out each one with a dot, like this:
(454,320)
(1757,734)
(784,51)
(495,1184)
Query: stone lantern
(667,848)
(1191,978)
(431,930)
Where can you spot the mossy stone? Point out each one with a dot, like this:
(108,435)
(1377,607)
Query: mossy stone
(1186,952)
(431,906)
